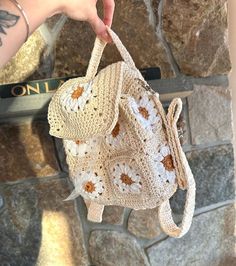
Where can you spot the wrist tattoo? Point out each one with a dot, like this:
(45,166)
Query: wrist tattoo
(7,20)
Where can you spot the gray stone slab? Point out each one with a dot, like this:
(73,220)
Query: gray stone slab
(209,242)
(138,35)
(144,223)
(197,34)
(213,169)
(113,215)
(210,114)
(111,248)
(26,151)
(38,228)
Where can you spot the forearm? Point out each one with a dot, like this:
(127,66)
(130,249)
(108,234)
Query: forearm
(13,28)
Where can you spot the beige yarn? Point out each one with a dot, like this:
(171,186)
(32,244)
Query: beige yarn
(93,119)
(130,154)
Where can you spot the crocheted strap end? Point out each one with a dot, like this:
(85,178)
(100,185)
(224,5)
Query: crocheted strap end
(95,212)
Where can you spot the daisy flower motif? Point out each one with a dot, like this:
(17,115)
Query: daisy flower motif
(75,97)
(145,111)
(115,138)
(89,185)
(126,178)
(80,148)
(164,164)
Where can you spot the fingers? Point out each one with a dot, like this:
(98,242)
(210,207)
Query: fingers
(97,24)
(108,10)
(99,27)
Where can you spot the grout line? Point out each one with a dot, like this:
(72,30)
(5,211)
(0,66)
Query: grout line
(160,34)
(127,213)
(152,17)
(200,147)
(80,210)
(34,180)
(213,207)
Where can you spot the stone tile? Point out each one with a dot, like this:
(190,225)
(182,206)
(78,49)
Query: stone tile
(131,23)
(38,228)
(197,34)
(113,215)
(210,114)
(25,62)
(114,248)
(210,242)
(26,150)
(144,223)
(213,170)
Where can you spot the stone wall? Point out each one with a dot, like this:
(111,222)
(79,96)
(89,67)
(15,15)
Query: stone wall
(188,41)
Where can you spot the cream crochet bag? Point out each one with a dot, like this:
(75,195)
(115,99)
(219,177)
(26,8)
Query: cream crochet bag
(121,146)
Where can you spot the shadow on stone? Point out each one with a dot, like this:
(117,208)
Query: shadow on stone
(20,227)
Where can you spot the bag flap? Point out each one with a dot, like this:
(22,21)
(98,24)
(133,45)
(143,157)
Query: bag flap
(83,108)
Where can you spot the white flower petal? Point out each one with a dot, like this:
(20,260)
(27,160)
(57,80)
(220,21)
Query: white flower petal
(158,157)
(165,151)
(160,168)
(71,104)
(84,177)
(124,168)
(135,187)
(170,176)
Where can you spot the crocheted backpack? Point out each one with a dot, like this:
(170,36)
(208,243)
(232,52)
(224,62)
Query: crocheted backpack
(121,146)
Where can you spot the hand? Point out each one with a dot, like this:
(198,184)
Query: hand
(86,10)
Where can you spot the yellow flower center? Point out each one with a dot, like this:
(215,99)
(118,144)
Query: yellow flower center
(126,179)
(77,93)
(168,163)
(78,142)
(144,112)
(89,187)
(116,130)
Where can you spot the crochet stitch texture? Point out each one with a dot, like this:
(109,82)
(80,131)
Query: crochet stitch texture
(121,146)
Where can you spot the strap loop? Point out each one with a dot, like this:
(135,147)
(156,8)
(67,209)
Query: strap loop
(94,61)
(174,111)
(96,55)
(165,214)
